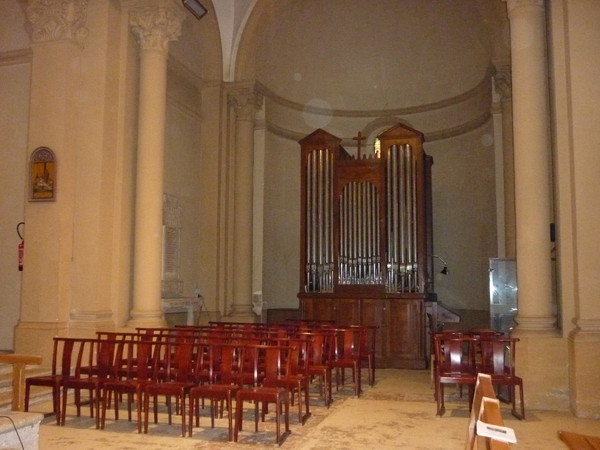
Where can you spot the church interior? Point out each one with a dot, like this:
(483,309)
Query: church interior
(158,172)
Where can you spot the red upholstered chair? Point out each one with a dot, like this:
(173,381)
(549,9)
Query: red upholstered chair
(273,359)
(455,364)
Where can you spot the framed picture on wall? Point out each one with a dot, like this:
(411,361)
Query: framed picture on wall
(42,175)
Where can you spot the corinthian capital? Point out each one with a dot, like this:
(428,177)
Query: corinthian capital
(154,23)
(245,102)
(54,20)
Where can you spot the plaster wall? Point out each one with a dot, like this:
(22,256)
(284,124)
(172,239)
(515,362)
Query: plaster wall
(14,81)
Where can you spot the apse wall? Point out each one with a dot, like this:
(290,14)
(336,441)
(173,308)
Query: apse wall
(391,63)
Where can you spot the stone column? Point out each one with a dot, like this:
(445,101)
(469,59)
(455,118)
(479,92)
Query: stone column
(154,25)
(532,155)
(502,85)
(245,103)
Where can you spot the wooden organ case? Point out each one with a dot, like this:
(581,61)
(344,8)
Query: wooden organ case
(364,240)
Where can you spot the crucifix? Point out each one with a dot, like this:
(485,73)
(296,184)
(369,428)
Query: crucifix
(359,138)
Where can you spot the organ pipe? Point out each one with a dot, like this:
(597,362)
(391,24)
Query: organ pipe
(363,216)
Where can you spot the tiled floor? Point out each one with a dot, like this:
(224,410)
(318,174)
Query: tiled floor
(398,412)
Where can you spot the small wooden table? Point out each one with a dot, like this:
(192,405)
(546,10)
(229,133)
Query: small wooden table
(18,375)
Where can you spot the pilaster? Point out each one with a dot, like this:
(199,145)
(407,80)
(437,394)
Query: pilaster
(245,103)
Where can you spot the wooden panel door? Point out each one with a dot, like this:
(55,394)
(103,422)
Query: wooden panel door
(348,311)
(406,339)
(374,312)
(319,308)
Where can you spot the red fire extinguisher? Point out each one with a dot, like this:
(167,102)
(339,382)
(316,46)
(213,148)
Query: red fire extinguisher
(21,247)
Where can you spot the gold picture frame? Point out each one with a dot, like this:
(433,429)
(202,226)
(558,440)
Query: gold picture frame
(42,175)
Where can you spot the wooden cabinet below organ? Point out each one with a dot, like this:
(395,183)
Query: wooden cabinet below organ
(400,341)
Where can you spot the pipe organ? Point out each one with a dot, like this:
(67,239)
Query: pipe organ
(365,241)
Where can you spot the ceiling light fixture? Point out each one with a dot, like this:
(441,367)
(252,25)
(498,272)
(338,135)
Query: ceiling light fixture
(195,7)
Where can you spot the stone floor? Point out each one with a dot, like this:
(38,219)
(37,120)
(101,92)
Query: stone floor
(397,412)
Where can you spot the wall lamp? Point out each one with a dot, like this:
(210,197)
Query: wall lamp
(445,269)
(195,7)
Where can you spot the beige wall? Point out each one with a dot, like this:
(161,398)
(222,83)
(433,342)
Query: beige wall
(14,82)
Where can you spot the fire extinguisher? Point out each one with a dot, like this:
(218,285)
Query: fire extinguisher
(21,247)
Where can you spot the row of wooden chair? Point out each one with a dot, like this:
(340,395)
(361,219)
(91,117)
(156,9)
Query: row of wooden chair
(139,367)
(460,356)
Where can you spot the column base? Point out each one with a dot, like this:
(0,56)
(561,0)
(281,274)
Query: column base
(154,319)
(241,313)
(92,320)
(542,363)
(584,354)
(535,326)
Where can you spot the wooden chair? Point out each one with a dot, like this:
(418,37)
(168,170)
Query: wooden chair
(348,356)
(273,359)
(96,354)
(368,349)
(498,360)
(454,365)
(172,381)
(224,382)
(139,366)
(62,360)
(296,380)
(320,354)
